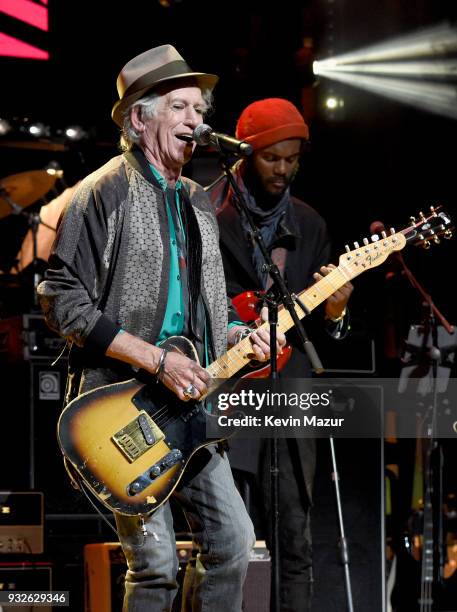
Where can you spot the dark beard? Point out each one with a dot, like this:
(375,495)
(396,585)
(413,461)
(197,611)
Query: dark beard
(254,185)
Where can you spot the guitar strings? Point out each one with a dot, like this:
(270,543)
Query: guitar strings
(232,358)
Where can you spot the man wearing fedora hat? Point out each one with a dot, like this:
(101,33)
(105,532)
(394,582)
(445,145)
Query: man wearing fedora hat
(136,260)
(296,236)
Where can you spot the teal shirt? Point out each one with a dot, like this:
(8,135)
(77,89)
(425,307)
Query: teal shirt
(173,322)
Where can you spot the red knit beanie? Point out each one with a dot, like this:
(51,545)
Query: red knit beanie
(269,121)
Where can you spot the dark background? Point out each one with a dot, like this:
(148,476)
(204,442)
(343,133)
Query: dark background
(374,160)
(377,159)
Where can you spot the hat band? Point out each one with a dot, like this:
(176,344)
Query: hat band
(150,78)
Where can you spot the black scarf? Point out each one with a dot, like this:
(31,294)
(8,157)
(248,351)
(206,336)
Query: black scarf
(267,220)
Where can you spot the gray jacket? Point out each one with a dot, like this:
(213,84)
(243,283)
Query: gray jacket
(109,268)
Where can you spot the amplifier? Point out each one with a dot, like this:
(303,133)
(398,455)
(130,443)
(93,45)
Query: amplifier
(40,342)
(256,592)
(26,576)
(21,522)
(105,566)
(11,340)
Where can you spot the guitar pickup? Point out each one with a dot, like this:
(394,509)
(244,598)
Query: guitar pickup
(147,430)
(137,436)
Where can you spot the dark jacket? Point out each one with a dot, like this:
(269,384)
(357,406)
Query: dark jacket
(303,233)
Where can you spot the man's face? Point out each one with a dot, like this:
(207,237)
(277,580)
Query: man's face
(177,115)
(275,166)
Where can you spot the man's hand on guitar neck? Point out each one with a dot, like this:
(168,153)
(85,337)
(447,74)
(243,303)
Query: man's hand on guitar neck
(185,377)
(260,340)
(335,305)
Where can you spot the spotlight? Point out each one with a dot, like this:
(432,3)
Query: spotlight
(332,103)
(409,69)
(75,133)
(54,169)
(38,130)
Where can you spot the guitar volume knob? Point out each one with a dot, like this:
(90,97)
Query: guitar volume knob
(134,488)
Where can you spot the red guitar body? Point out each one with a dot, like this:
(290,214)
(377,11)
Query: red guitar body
(248,305)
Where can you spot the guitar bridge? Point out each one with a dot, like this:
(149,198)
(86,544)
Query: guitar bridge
(152,473)
(137,436)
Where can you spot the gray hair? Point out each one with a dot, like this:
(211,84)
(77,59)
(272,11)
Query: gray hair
(148,106)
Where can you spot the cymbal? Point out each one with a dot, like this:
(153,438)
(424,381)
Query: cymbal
(24,189)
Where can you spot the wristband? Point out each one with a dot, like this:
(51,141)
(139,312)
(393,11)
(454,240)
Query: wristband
(340,318)
(161,364)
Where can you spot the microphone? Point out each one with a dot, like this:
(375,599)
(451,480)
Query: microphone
(204,135)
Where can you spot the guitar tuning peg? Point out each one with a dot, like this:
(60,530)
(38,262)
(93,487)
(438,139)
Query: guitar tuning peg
(348,248)
(392,231)
(383,234)
(436,240)
(422,216)
(448,234)
(366,241)
(426,244)
(413,220)
(433,211)
(356,245)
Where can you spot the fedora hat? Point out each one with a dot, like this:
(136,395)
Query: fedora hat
(150,69)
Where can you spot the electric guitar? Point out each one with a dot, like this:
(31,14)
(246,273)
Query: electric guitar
(130,442)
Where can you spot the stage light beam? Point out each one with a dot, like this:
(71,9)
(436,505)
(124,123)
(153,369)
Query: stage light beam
(411,69)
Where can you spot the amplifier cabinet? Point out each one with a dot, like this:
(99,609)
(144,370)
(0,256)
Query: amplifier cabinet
(26,576)
(105,566)
(21,522)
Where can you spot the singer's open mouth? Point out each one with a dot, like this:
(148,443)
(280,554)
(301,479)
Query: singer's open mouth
(185,137)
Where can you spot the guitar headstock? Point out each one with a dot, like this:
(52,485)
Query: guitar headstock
(426,230)
(376,250)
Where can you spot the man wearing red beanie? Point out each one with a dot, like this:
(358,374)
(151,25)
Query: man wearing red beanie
(296,236)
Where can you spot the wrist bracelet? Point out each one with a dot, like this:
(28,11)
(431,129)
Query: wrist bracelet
(161,364)
(340,318)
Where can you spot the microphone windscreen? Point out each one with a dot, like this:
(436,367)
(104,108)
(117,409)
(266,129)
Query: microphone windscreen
(202,134)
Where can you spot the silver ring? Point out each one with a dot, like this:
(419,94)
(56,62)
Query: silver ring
(189,391)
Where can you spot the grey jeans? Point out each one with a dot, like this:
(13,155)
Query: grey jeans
(222,531)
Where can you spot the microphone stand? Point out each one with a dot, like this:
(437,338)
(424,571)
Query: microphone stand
(277,294)
(434,551)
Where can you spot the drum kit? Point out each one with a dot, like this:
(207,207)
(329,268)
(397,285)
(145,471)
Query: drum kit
(18,193)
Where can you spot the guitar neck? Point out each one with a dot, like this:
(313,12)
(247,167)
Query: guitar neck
(239,355)
(351,264)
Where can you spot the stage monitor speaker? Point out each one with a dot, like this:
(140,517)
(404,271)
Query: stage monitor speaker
(26,576)
(105,566)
